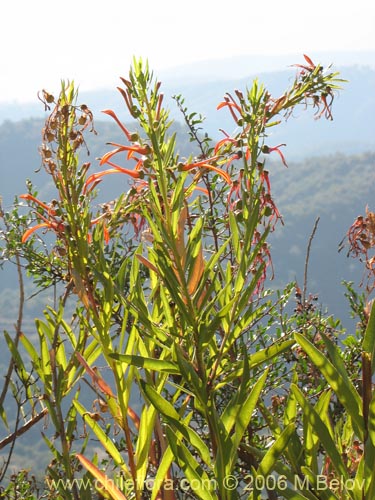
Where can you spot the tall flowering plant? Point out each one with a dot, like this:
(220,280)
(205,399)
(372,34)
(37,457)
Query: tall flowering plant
(174,319)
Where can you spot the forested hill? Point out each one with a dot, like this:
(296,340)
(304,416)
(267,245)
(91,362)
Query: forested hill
(330,174)
(20,159)
(336,187)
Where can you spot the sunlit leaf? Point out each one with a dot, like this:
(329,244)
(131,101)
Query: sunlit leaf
(244,416)
(321,430)
(344,389)
(176,422)
(325,493)
(159,365)
(92,420)
(268,462)
(369,338)
(198,479)
(107,484)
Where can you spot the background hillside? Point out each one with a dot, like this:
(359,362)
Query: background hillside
(331,174)
(331,164)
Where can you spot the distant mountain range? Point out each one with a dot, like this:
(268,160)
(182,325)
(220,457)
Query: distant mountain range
(243,66)
(203,84)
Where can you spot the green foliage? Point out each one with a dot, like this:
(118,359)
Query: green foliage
(347,462)
(198,377)
(21,487)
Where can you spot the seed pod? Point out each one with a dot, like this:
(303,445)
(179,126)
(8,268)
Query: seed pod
(48,97)
(82,119)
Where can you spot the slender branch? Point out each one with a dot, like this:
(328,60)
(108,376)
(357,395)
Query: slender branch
(11,366)
(307,260)
(193,131)
(18,328)
(12,440)
(21,430)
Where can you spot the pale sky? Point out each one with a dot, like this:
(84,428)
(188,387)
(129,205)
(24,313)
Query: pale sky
(92,42)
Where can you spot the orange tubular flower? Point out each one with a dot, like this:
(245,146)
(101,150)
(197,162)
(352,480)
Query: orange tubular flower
(267,150)
(137,173)
(26,235)
(205,164)
(233,158)
(232,105)
(38,202)
(226,102)
(58,227)
(95,178)
(142,150)
(311,66)
(114,116)
(235,189)
(49,223)
(224,141)
(326,111)
(202,189)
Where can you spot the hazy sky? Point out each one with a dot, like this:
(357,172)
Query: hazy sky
(92,42)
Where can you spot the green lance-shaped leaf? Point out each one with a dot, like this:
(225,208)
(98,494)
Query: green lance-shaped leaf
(56,453)
(123,273)
(294,451)
(34,358)
(312,441)
(320,484)
(368,477)
(369,339)
(246,315)
(170,148)
(197,477)
(175,421)
(158,365)
(256,359)
(299,489)
(145,431)
(71,335)
(243,414)
(236,404)
(162,472)
(265,355)
(247,253)
(321,431)
(17,358)
(165,267)
(235,236)
(336,359)
(178,215)
(106,441)
(195,264)
(190,376)
(208,280)
(344,389)
(365,469)
(3,416)
(371,421)
(365,477)
(268,462)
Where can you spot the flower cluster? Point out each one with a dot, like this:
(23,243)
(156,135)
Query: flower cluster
(54,222)
(361,241)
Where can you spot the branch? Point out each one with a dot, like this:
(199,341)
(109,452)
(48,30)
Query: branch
(23,429)
(307,260)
